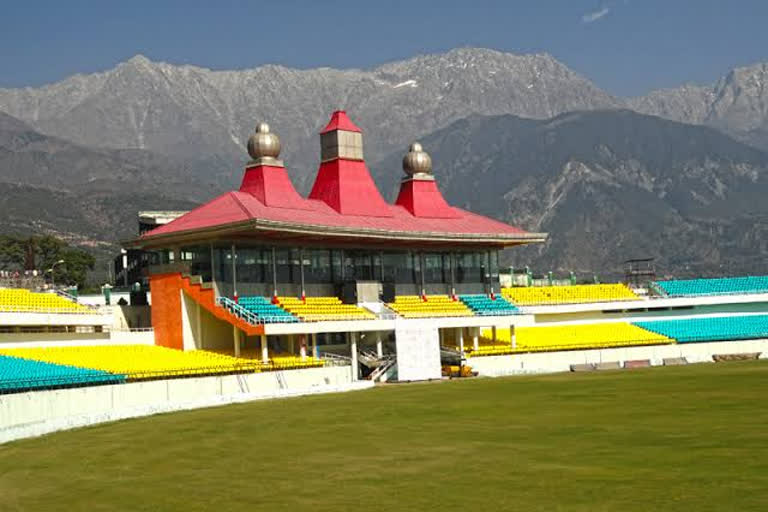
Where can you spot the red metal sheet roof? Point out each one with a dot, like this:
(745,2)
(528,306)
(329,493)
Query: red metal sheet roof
(344,199)
(340,121)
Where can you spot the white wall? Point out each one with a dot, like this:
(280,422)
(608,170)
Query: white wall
(552,362)
(39,412)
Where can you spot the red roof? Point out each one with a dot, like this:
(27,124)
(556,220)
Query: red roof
(340,121)
(347,187)
(422,198)
(237,207)
(344,202)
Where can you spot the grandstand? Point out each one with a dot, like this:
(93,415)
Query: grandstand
(317,309)
(342,287)
(22,374)
(265,311)
(567,337)
(573,294)
(712,286)
(696,330)
(22,300)
(483,305)
(434,306)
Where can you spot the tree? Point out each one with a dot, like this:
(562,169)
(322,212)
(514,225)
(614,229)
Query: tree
(42,253)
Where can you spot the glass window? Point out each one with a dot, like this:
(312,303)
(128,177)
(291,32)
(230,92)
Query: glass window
(359,265)
(199,259)
(222,264)
(436,269)
(401,267)
(317,266)
(470,267)
(288,270)
(254,265)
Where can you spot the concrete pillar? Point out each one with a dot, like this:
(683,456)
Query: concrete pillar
(264,349)
(303,346)
(493,334)
(460,337)
(236,340)
(314,345)
(442,336)
(512,336)
(476,339)
(353,355)
(379,346)
(199,327)
(291,344)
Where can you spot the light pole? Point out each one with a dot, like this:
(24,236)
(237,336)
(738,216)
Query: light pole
(53,267)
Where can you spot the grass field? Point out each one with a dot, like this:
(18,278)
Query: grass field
(687,438)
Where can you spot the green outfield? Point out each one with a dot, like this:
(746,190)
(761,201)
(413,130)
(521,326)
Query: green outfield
(686,438)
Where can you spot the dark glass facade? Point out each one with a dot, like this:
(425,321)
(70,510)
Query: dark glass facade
(263,269)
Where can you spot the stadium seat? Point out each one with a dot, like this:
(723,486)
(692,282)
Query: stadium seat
(567,337)
(19,374)
(21,300)
(573,294)
(277,361)
(267,312)
(717,286)
(414,306)
(317,309)
(723,328)
(483,305)
(136,362)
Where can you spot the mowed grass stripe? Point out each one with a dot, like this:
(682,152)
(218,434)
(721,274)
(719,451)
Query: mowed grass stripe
(683,438)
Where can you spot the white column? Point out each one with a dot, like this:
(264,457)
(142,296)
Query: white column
(353,354)
(264,349)
(460,335)
(199,327)
(314,345)
(476,339)
(236,340)
(303,346)
(379,346)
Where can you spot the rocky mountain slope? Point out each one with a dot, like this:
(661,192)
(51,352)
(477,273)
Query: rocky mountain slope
(607,186)
(87,196)
(736,104)
(206,116)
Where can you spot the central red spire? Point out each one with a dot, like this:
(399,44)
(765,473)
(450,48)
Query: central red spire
(343,181)
(340,121)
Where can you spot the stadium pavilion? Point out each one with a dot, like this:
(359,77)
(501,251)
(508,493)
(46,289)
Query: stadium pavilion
(342,253)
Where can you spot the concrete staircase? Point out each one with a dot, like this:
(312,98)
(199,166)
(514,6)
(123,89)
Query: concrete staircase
(205,295)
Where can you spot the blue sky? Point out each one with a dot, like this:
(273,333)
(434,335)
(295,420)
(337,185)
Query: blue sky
(625,46)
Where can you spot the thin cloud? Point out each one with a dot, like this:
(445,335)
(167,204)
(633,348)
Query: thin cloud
(595,15)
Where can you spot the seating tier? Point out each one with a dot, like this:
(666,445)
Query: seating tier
(135,361)
(20,374)
(568,337)
(573,294)
(267,312)
(724,328)
(21,300)
(317,309)
(483,305)
(413,306)
(716,286)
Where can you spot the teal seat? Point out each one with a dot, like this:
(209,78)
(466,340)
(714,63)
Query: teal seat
(715,286)
(724,328)
(17,374)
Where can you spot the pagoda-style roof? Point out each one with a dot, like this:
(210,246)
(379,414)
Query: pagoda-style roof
(344,205)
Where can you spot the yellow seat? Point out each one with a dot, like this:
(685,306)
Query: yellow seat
(574,294)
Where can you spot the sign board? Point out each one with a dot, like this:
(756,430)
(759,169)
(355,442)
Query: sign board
(418,350)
